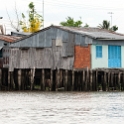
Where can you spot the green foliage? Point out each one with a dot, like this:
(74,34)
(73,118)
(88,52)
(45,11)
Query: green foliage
(86,25)
(106,25)
(71,23)
(114,28)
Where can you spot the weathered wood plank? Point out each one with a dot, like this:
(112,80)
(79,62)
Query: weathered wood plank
(19,79)
(73,78)
(0,79)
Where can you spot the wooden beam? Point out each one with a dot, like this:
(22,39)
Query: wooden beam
(51,78)
(43,80)
(66,80)
(9,80)
(91,79)
(73,78)
(0,79)
(19,79)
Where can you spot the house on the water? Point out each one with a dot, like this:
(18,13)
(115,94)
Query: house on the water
(69,48)
(63,56)
(5,40)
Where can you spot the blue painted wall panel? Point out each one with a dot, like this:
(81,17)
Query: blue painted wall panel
(114,56)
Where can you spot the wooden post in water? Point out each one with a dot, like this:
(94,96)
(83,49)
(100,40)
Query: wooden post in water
(3,78)
(96,80)
(123,82)
(51,78)
(0,79)
(32,74)
(19,79)
(23,80)
(83,80)
(87,79)
(104,83)
(12,80)
(119,78)
(112,79)
(91,79)
(43,80)
(66,79)
(57,79)
(8,80)
(73,78)
(79,81)
(108,81)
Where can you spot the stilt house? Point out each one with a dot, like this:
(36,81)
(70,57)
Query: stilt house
(56,57)
(67,48)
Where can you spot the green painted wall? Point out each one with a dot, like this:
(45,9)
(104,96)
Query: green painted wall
(103,62)
(99,62)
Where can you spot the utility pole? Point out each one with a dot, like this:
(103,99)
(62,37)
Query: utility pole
(43,12)
(111,16)
(1,27)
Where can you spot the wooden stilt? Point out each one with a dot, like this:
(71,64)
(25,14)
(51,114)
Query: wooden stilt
(0,79)
(108,81)
(19,79)
(8,80)
(87,79)
(83,80)
(78,78)
(73,78)
(96,80)
(104,89)
(119,78)
(12,81)
(66,80)
(69,81)
(3,79)
(112,79)
(26,79)
(23,80)
(57,79)
(123,82)
(32,74)
(91,79)
(51,78)
(43,80)
(102,82)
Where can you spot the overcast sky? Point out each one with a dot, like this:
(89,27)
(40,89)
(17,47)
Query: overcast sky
(92,12)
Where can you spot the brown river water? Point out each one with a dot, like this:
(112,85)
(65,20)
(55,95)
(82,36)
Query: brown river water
(61,107)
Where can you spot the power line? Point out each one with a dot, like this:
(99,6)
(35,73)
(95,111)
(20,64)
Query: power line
(77,6)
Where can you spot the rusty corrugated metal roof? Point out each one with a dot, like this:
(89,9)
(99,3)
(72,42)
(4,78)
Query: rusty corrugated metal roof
(9,38)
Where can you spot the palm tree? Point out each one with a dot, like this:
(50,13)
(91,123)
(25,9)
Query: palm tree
(114,28)
(105,25)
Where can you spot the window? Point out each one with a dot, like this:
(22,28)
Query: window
(98,51)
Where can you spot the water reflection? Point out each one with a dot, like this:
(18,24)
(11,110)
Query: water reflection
(61,108)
